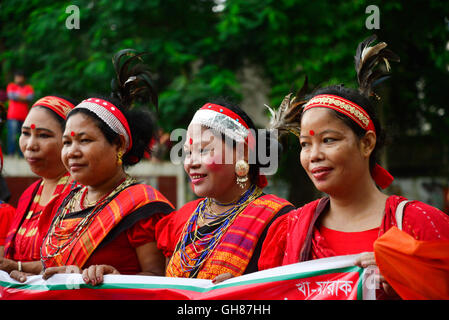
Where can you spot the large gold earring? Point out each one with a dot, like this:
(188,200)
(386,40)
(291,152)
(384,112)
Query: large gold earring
(119,157)
(241,169)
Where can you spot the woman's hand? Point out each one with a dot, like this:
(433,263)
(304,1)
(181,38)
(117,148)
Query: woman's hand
(19,275)
(63,269)
(366,259)
(94,274)
(222,277)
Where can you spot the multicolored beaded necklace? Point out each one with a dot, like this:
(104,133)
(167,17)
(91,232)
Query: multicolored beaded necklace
(203,244)
(58,239)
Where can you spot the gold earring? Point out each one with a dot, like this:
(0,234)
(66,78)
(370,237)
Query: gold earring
(241,169)
(119,157)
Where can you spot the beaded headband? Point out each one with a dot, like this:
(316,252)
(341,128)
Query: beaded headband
(348,108)
(60,106)
(231,125)
(224,121)
(111,115)
(380,175)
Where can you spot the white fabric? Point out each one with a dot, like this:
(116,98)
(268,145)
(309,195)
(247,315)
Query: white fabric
(222,123)
(400,213)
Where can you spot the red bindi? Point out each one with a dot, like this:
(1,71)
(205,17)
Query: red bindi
(312,133)
(33,126)
(72,134)
(190,141)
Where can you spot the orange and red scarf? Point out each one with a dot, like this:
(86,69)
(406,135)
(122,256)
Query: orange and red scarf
(237,245)
(125,203)
(24,240)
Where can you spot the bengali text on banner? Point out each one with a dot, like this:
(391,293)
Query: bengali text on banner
(333,278)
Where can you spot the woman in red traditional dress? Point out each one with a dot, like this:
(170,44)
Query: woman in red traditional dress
(41,144)
(220,234)
(111,219)
(340,137)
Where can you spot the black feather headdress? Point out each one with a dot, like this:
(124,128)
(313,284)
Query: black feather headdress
(286,117)
(133,79)
(367,58)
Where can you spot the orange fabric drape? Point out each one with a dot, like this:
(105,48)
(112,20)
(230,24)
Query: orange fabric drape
(415,269)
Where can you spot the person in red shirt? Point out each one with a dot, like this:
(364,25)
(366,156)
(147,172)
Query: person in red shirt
(20,95)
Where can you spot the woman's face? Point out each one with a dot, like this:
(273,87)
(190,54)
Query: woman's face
(41,143)
(331,153)
(87,155)
(209,162)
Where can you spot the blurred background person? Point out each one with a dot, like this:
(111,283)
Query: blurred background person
(20,95)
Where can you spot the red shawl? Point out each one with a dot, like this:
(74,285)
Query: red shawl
(290,238)
(136,202)
(24,206)
(237,245)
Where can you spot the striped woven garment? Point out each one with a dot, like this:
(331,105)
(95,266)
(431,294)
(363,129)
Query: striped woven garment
(236,246)
(123,204)
(23,241)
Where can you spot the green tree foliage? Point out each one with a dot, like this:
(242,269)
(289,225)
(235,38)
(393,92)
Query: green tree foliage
(196,51)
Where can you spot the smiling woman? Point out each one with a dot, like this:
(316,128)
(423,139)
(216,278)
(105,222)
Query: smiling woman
(107,225)
(220,234)
(340,158)
(41,144)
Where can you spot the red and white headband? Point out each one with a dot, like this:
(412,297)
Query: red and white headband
(380,175)
(111,115)
(224,121)
(231,125)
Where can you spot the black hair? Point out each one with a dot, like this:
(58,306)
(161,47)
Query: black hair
(254,168)
(141,125)
(131,83)
(362,101)
(19,72)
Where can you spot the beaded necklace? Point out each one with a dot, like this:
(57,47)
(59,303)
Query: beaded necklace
(57,241)
(203,244)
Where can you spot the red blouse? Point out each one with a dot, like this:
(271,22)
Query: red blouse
(286,238)
(343,243)
(121,251)
(24,239)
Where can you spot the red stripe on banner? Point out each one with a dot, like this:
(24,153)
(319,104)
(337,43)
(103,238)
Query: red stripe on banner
(323,279)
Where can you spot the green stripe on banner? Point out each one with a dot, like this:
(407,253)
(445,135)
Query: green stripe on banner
(293,276)
(281,283)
